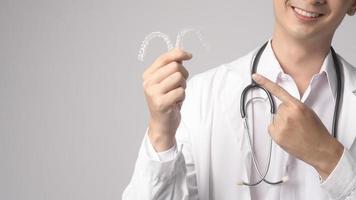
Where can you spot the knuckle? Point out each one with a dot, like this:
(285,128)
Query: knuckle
(175,77)
(159,104)
(298,109)
(301,107)
(153,91)
(175,66)
(179,75)
(181,91)
(144,84)
(149,80)
(148,91)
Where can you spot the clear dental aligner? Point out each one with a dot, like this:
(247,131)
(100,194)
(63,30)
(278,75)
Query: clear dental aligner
(147,40)
(182,33)
(179,40)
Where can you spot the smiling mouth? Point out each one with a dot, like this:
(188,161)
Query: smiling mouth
(306,14)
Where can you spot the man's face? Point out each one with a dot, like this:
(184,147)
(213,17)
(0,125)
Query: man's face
(308,20)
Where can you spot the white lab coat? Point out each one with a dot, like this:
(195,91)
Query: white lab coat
(213,157)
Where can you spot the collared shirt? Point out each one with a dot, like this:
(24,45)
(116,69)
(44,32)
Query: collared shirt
(304,182)
(320,96)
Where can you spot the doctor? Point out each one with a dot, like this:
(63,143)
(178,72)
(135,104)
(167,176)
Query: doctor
(200,149)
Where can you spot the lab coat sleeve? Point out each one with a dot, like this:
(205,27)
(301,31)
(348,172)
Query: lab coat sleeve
(341,183)
(167,175)
(159,156)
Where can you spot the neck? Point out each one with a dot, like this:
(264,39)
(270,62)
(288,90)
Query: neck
(300,58)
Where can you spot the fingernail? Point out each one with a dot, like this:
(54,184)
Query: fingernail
(256,77)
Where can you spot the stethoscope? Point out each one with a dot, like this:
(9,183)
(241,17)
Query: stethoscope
(253,85)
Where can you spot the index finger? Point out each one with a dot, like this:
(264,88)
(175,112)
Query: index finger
(274,88)
(176,54)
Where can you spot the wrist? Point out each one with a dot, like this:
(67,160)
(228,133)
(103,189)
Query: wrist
(328,158)
(160,139)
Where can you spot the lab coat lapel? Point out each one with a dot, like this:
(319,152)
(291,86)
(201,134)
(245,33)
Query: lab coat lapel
(347,125)
(235,125)
(236,81)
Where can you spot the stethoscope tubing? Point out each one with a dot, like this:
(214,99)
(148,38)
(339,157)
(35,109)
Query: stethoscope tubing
(253,85)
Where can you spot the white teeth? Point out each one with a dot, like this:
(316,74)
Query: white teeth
(305,13)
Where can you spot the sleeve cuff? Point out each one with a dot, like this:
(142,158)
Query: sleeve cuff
(163,156)
(342,180)
(149,165)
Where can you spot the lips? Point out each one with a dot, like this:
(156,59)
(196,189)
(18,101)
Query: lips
(306,15)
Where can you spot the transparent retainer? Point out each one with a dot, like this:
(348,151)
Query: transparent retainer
(166,39)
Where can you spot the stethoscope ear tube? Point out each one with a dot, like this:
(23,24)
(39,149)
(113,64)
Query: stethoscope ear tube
(255,85)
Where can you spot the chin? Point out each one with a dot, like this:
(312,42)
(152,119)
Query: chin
(303,33)
(316,33)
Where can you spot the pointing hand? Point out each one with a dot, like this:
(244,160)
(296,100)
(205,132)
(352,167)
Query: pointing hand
(299,131)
